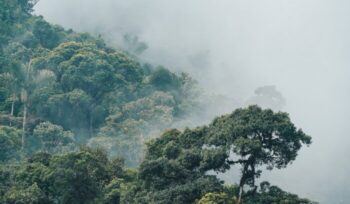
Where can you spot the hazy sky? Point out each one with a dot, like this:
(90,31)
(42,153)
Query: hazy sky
(233,46)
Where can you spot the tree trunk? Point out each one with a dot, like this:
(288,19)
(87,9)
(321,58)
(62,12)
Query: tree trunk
(242,182)
(240,195)
(90,125)
(24,126)
(12,110)
(12,107)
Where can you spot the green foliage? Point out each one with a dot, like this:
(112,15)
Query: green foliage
(254,136)
(163,79)
(8,91)
(112,192)
(30,195)
(10,143)
(75,81)
(85,176)
(31,41)
(173,168)
(133,45)
(267,194)
(52,137)
(78,177)
(11,13)
(71,109)
(45,34)
(103,82)
(257,137)
(216,198)
(134,123)
(272,194)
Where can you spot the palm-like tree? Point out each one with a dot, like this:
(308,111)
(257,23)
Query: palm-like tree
(24,99)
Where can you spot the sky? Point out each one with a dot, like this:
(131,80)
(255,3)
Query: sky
(232,47)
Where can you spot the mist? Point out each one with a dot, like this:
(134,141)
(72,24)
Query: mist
(231,47)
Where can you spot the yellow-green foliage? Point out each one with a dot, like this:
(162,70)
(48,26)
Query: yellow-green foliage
(216,198)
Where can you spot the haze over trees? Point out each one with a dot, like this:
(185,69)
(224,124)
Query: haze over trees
(79,123)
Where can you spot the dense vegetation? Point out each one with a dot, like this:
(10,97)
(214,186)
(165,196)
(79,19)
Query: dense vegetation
(74,82)
(75,114)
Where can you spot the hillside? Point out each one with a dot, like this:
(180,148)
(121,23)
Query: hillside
(74,82)
(75,115)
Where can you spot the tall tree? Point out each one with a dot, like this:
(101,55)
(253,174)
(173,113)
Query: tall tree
(24,99)
(256,137)
(249,137)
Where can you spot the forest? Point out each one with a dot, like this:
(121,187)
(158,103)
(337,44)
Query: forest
(84,122)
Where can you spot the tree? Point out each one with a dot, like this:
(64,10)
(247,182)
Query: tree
(273,194)
(164,80)
(112,192)
(9,84)
(84,176)
(257,137)
(46,34)
(175,167)
(10,143)
(133,45)
(249,137)
(52,137)
(24,99)
(12,12)
(79,177)
(268,97)
(134,123)
(31,195)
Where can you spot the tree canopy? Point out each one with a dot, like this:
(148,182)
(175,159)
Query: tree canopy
(249,137)
(75,81)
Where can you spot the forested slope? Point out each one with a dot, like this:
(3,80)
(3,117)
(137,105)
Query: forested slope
(59,80)
(75,114)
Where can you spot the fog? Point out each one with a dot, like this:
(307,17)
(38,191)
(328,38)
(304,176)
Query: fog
(234,46)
